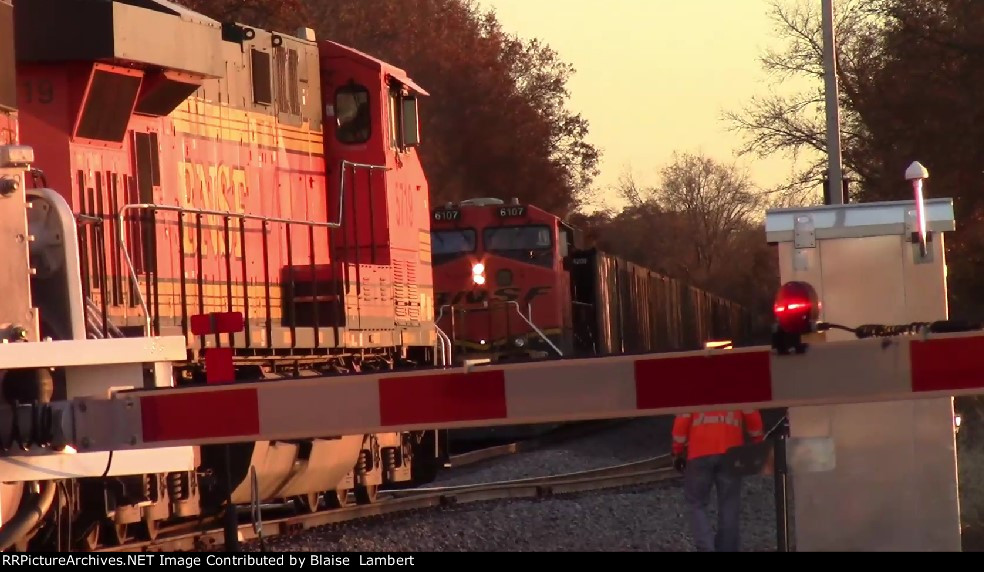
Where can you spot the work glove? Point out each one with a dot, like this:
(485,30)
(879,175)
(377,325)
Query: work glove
(680,463)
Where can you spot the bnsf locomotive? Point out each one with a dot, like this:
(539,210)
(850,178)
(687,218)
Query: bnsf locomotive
(499,273)
(216,168)
(514,282)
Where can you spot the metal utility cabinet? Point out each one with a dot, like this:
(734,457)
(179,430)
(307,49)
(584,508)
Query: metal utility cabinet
(892,482)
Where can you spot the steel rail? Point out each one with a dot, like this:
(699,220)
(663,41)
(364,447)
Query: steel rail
(555,436)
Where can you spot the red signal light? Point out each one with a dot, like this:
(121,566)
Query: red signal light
(797,307)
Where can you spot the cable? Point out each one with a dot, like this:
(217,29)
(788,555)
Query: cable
(913,328)
(109,463)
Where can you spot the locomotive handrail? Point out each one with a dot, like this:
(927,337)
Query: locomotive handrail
(440,314)
(532,325)
(341,183)
(188,210)
(445,351)
(444,337)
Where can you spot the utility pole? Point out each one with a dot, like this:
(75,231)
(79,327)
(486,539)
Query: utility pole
(835,177)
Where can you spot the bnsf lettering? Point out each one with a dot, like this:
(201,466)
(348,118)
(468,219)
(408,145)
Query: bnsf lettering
(217,188)
(500,295)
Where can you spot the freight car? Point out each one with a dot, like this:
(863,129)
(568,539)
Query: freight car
(220,171)
(622,308)
(514,283)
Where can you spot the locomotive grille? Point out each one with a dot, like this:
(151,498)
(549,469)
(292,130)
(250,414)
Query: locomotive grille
(406,292)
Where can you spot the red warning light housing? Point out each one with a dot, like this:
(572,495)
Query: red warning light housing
(797,307)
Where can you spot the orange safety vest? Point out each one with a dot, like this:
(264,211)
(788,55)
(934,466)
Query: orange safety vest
(714,432)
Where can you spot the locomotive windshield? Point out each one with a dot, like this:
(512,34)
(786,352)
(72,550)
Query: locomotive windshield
(449,244)
(527,244)
(517,238)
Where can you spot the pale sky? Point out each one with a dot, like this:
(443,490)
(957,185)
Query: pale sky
(654,76)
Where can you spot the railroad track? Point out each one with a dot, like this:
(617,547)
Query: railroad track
(646,471)
(566,432)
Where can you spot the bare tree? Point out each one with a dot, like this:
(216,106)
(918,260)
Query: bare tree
(795,124)
(692,220)
(714,199)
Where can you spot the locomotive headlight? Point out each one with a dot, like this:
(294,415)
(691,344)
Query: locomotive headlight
(478,273)
(520,342)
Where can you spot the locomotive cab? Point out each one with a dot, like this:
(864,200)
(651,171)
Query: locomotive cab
(502,292)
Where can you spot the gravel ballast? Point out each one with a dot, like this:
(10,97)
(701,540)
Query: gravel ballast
(640,518)
(651,518)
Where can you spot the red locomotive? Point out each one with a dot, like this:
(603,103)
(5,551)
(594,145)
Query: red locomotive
(220,168)
(502,291)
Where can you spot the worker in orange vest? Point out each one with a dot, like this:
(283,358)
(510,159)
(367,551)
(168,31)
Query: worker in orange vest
(700,441)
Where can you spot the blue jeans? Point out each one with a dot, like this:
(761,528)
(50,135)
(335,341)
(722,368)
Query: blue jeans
(700,475)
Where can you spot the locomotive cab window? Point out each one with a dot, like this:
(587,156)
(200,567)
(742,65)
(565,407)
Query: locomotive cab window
(404,126)
(353,114)
(529,244)
(518,238)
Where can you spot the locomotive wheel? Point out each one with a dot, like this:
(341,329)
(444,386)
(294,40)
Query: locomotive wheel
(307,503)
(148,528)
(336,499)
(366,494)
(89,541)
(117,533)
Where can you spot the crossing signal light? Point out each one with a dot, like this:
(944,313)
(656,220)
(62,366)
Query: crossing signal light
(797,311)
(797,307)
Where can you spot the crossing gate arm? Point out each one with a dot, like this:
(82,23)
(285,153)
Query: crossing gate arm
(856,371)
(91,353)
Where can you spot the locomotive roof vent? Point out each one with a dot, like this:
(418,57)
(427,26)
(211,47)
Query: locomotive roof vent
(481,202)
(306,34)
